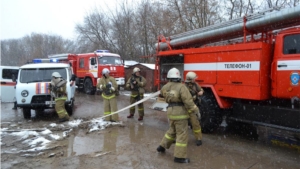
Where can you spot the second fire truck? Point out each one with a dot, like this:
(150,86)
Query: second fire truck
(88,68)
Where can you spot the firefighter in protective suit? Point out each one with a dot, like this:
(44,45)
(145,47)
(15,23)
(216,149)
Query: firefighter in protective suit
(195,91)
(180,106)
(58,88)
(109,88)
(136,85)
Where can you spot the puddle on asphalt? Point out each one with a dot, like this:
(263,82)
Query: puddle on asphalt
(104,141)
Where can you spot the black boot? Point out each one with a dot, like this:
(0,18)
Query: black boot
(61,120)
(130,116)
(181,160)
(160,149)
(199,143)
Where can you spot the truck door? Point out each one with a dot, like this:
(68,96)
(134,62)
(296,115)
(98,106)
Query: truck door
(93,66)
(287,66)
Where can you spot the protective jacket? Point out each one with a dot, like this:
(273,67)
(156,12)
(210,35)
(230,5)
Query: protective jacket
(179,99)
(137,88)
(194,89)
(109,87)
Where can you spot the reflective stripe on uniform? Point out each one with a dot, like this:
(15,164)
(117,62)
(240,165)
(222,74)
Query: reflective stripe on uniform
(134,95)
(168,137)
(180,144)
(107,113)
(197,131)
(61,98)
(108,97)
(178,117)
(61,111)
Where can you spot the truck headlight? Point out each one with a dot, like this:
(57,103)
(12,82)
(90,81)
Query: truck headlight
(24,93)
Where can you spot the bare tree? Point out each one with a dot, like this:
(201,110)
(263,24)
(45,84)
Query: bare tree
(16,52)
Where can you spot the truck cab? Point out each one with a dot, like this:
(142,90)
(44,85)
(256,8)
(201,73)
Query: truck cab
(286,65)
(32,86)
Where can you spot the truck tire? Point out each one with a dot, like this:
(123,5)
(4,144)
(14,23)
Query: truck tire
(27,113)
(88,87)
(210,113)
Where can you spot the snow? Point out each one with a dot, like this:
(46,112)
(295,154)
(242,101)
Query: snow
(39,140)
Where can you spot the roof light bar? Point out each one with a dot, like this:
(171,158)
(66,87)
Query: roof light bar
(44,60)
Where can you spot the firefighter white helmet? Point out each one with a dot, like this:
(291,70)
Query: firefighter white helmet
(56,74)
(136,69)
(173,74)
(105,71)
(190,76)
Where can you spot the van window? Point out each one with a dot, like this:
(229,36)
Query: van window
(8,73)
(40,75)
(291,44)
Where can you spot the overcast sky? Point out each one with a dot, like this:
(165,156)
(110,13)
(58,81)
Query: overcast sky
(22,17)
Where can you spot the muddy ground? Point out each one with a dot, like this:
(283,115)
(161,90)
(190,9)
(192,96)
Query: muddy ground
(43,143)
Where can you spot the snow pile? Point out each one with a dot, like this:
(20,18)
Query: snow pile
(100,124)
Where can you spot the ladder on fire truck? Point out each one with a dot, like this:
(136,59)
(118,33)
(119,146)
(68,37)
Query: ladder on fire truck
(247,27)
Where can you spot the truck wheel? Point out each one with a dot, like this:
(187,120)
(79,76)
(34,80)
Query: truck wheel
(27,113)
(210,117)
(88,87)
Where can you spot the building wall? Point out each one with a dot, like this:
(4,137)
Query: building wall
(146,72)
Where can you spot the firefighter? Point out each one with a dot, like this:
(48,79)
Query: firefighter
(136,84)
(195,91)
(180,105)
(109,88)
(58,88)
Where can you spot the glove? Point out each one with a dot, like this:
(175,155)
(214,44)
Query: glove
(197,112)
(108,85)
(194,97)
(55,88)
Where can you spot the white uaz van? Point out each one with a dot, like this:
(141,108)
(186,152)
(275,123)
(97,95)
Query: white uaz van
(32,87)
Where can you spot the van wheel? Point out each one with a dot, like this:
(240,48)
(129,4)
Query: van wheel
(27,113)
(210,113)
(88,87)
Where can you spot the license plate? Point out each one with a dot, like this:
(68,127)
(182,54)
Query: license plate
(49,102)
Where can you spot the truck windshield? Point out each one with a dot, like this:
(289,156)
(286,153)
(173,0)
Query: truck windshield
(111,60)
(291,44)
(40,74)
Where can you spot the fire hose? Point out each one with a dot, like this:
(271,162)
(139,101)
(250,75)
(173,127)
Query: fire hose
(134,104)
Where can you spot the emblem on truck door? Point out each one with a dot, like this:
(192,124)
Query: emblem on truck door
(294,78)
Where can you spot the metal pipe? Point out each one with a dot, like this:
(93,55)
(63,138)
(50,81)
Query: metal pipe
(233,29)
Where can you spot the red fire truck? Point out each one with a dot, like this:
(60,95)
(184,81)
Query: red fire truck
(88,68)
(249,68)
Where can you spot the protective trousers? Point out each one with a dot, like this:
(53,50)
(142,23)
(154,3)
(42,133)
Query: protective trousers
(177,129)
(110,106)
(133,99)
(60,107)
(196,126)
